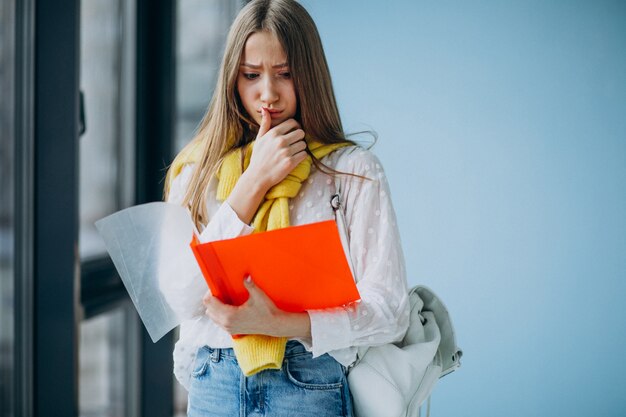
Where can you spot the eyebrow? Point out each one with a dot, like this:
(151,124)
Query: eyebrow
(245,64)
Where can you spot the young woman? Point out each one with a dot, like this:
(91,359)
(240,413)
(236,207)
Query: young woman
(270,152)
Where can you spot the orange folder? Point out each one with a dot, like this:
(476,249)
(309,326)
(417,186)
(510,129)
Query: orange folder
(298,267)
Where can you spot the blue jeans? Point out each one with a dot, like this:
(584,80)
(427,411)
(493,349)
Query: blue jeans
(303,387)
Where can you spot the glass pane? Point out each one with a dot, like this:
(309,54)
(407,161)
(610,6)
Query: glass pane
(201,35)
(202,27)
(107,83)
(103,364)
(7,180)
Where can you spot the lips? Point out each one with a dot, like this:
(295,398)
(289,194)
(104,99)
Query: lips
(273,113)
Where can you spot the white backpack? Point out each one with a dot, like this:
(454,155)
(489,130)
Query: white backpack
(395,379)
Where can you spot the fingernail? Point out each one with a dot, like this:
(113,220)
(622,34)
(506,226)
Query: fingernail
(248,279)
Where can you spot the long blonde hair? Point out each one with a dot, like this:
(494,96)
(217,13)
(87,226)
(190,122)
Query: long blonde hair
(226,125)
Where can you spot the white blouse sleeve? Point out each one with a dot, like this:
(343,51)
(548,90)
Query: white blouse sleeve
(185,295)
(382,315)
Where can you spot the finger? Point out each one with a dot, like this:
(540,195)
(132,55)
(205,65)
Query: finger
(211,309)
(253,290)
(211,302)
(249,285)
(266,122)
(215,308)
(295,136)
(256,292)
(286,127)
(299,157)
(298,149)
(206,297)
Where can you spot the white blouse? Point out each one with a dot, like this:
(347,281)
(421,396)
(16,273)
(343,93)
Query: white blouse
(382,315)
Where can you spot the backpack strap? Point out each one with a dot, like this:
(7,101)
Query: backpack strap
(336,202)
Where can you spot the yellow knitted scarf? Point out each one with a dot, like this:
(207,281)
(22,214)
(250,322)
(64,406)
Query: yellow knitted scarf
(256,353)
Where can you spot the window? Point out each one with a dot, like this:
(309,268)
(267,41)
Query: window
(103,364)
(108,333)
(107,146)
(202,27)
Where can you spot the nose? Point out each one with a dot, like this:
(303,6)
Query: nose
(269,93)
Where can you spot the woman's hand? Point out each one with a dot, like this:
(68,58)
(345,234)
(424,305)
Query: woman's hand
(258,315)
(277,151)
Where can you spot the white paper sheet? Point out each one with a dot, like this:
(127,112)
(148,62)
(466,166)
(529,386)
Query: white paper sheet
(149,245)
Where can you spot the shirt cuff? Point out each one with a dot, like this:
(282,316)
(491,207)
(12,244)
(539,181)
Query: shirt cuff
(225,224)
(330,330)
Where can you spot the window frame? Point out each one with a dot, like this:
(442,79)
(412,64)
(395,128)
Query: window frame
(24,174)
(156,101)
(55,208)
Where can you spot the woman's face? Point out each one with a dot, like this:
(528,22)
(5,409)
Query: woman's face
(264,79)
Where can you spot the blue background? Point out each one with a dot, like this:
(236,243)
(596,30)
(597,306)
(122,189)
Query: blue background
(502,129)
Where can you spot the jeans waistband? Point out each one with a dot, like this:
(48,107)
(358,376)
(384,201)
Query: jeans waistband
(294,348)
